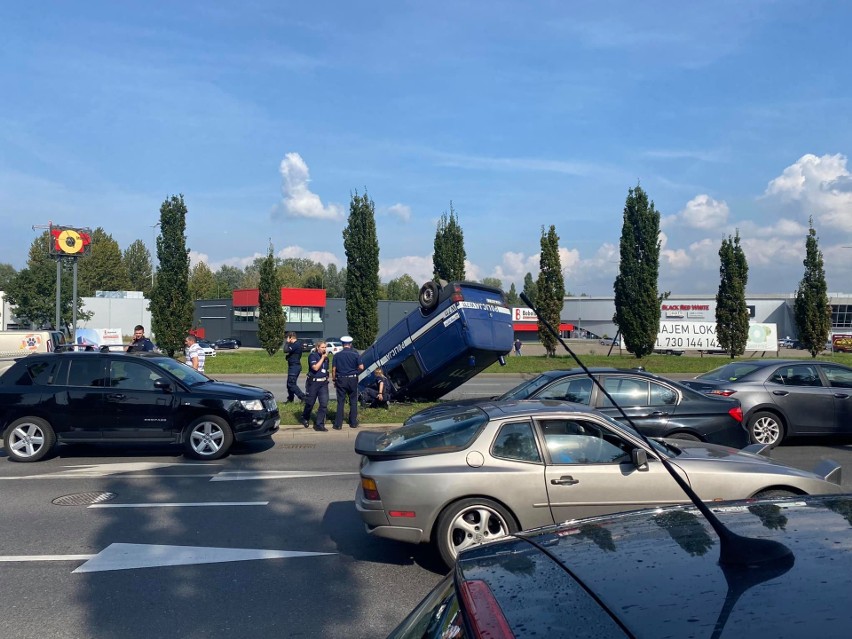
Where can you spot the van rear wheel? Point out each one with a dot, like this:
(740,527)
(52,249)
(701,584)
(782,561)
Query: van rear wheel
(428,296)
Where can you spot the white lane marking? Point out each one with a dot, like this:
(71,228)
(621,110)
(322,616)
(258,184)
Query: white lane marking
(130,556)
(89,471)
(182,504)
(242,475)
(20,558)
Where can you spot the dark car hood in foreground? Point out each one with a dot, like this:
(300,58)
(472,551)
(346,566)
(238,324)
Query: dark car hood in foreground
(657,572)
(237,391)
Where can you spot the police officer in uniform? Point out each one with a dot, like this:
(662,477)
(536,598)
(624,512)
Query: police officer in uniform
(344,372)
(293,349)
(317,387)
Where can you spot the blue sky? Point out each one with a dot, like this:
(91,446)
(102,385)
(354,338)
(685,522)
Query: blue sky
(268,115)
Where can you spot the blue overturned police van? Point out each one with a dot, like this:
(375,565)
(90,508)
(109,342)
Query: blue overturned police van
(459,330)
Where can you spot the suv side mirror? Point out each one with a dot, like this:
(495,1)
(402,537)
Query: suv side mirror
(639,456)
(163,384)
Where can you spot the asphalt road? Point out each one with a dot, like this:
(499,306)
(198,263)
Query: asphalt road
(74,571)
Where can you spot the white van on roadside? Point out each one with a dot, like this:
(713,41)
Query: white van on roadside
(18,343)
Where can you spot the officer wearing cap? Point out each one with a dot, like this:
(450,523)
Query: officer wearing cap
(317,387)
(344,372)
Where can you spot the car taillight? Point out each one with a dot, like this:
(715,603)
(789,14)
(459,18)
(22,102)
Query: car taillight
(722,392)
(737,413)
(457,294)
(370,489)
(484,613)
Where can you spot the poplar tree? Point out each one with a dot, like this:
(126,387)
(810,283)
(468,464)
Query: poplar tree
(551,289)
(171,306)
(530,288)
(271,323)
(637,301)
(812,307)
(732,317)
(512,298)
(449,255)
(361,245)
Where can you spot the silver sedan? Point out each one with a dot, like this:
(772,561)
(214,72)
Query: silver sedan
(481,472)
(784,398)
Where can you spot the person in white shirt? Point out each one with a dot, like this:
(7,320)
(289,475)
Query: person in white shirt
(194,353)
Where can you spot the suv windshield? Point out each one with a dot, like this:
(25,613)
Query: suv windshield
(440,434)
(183,372)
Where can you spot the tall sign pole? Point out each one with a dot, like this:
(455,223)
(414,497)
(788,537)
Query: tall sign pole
(68,243)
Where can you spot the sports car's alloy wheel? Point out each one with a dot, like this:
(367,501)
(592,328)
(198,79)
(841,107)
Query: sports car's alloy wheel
(28,439)
(208,438)
(765,428)
(471,522)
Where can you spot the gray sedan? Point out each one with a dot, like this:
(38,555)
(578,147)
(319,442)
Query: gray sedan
(481,472)
(783,398)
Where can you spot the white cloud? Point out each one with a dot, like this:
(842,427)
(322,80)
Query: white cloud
(784,227)
(417,266)
(402,211)
(821,185)
(298,200)
(323,257)
(677,258)
(514,267)
(195,257)
(701,212)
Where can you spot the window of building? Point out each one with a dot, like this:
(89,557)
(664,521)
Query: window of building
(246,313)
(303,314)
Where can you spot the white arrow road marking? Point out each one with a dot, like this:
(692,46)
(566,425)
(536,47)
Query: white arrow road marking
(241,475)
(129,556)
(183,505)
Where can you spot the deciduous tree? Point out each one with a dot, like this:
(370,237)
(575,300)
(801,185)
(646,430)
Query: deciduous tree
(812,307)
(102,269)
(551,289)
(7,274)
(732,315)
(403,288)
(637,301)
(361,245)
(171,306)
(495,282)
(32,292)
(449,254)
(137,264)
(228,279)
(202,282)
(271,323)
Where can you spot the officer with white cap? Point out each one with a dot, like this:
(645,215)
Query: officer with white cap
(344,373)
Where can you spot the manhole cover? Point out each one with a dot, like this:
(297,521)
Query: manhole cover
(84,499)
(298,445)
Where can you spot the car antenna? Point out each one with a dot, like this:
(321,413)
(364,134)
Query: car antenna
(735,551)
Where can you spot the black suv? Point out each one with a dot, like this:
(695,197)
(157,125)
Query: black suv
(126,398)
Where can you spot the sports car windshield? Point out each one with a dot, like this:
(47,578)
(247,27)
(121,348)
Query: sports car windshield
(525,390)
(730,372)
(445,432)
(184,373)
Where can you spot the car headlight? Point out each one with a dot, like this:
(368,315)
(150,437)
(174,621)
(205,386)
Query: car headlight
(252,404)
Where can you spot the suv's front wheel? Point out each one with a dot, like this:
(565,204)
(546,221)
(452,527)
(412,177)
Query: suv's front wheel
(208,437)
(28,439)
